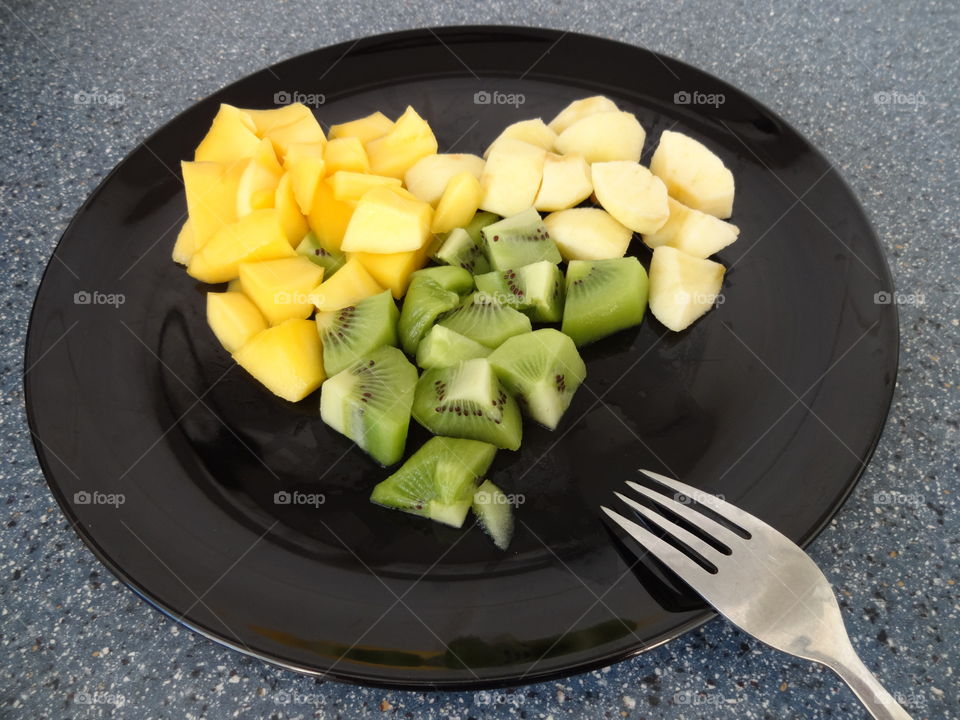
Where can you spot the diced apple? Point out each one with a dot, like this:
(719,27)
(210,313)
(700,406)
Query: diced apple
(351,186)
(511,177)
(396,152)
(587,234)
(286,358)
(257,236)
(329,217)
(281,288)
(429,177)
(533,131)
(386,222)
(392,271)
(579,109)
(304,130)
(231,137)
(233,318)
(346,154)
(603,137)
(348,286)
(458,204)
(365,129)
(259,180)
(211,190)
(305,174)
(693,232)
(693,174)
(682,287)
(185,245)
(632,194)
(566,182)
(265,121)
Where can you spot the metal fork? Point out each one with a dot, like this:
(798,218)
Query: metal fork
(765,584)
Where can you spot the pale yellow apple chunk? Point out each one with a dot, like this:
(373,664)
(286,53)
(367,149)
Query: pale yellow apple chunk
(511,177)
(587,234)
(603,137)
(579,109)
(429,176)
(695,233)
(632,194)
(682,287)
(693,174)
(533,131)
(566,182)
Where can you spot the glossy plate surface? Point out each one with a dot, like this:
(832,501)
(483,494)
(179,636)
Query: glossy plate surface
(774,400)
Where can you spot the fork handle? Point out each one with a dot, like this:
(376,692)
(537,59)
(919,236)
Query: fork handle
(875,698)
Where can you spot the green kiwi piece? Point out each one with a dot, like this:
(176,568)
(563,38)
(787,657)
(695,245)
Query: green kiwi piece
(464,247)
(536,290)
(329,259)
(603,297)
(494,513)
(443,347)
(468,401)
(448,277)
(483,318)
(424,302)
(355,331)
(519,240)
(438,481)
(370,401)
(542,370)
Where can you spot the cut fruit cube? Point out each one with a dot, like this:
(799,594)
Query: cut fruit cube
(566,182)
(351,186)
(255,237)
(304,130)
(536,290)
(519,240)
(468,401)
(408,141)
(465,247)
(299,151)
(603,297)
(392,270)
(292,221)
(363,129)
(350,285)
(542,370)
(483,318)
(280,288)
(306,173)
(185,245)
(458,204)
(330,260)
(266,121)
(211,190)
(511,177)
(494,513)
(693,232)
(346,154)
(231,137)
(234,319)
(329,217)
(258,181)
(429,177)
(633,195)
(579,109)
(357,330)
(442,347)
(588,234)
(693,174)
(384,221)
(533,131)
(285,358)
(682,287)
(438,481)
(425,302)
(604,137)
(369,402)
(448,277)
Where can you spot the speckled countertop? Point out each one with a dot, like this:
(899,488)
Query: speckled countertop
(74,638)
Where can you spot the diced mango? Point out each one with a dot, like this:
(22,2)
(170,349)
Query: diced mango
(364,129)
(184,247)
(304,130)
(259,180)
(286,358)
(351,186)
(231,137)
(328,218)
(257,236)
(351,284)
(233,318)
(305,174)
(280,288)
(458,204)
(393,271)
(298,150)
(346,154)
(292,221)
(234,285)
(211,190)
(266,121)
(387,222)
(396,152)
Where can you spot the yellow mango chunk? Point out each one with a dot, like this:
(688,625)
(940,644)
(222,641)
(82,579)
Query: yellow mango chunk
(298,150)
(364,129)
(211,190)
(458,204)
(305,174)
(286,358)
(257,236)
(265,121)
(304,130)
(292,221)
(328,217)
(185,246)
(351,186)
(386,221)
(346,154)
(396,152)
(234,285)
(351,284)
(259,180)
(393,271)
(231,137)
(233,318)
(280,288)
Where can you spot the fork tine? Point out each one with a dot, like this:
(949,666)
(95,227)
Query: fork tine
(709,526)
(677,561)
(708,552)
(730,512)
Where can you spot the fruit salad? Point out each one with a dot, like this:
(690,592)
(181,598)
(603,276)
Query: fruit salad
(447,288)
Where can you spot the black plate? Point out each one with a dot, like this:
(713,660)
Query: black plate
(138,399)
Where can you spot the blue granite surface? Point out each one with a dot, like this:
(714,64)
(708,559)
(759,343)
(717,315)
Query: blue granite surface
(79,644)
